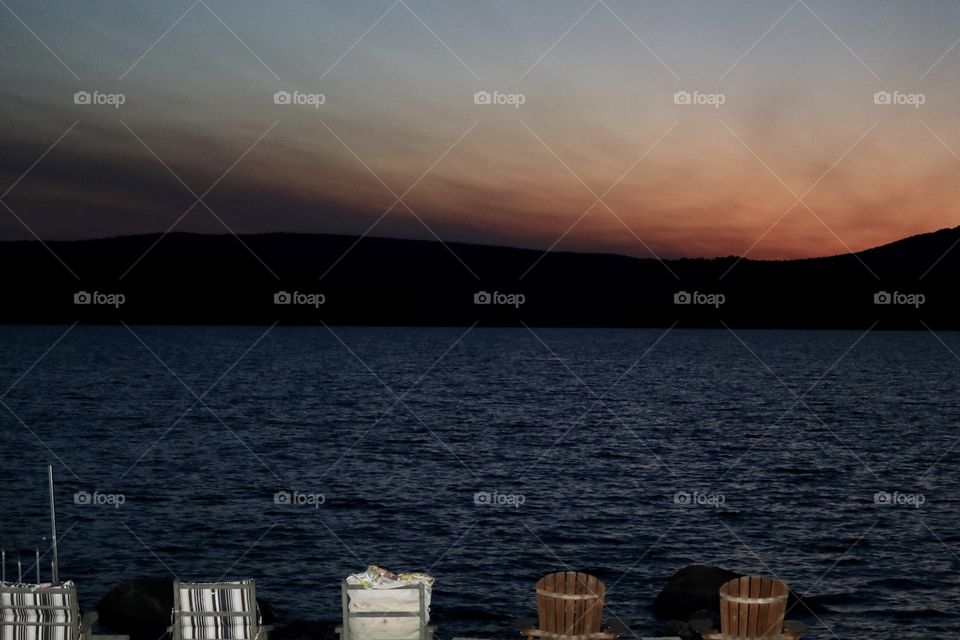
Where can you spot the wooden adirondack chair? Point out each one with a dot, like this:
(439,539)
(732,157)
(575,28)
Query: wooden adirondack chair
(753,607)
(570,607)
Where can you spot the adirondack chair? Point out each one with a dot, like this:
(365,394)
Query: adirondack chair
(399,613)
(570,607)
(216,611)
(753,607)
(42,611)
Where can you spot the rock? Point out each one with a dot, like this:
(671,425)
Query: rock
(703,621)
(690,589)
(673,628)
(142,607)
(705,614)
(138,607)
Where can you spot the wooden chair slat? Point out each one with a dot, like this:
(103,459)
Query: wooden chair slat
(753,628)
(763,612)
(570,603)
(753,607)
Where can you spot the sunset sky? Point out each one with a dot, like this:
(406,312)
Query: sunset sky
(398,120)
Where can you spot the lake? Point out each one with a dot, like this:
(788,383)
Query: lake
(490,457)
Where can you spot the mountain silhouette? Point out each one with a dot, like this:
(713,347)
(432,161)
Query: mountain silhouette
(182,278)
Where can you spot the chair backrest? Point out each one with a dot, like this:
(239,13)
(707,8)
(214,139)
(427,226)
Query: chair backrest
(215,611)
(398,613)
(570,603)
(752,607)
(39,612)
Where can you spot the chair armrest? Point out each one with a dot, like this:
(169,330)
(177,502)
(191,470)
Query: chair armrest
(338,630)
(86,621)
(265,630)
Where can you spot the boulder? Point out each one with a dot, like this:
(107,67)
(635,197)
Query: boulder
(142,607)
(673,628)
(691,589)
(137,607)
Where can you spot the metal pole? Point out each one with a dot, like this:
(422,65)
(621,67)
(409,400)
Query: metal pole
(37,554)
(3,571)
(53,528)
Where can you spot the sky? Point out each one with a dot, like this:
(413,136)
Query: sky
(783,149)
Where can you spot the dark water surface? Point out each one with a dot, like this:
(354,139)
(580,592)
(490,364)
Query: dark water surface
(594,431)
